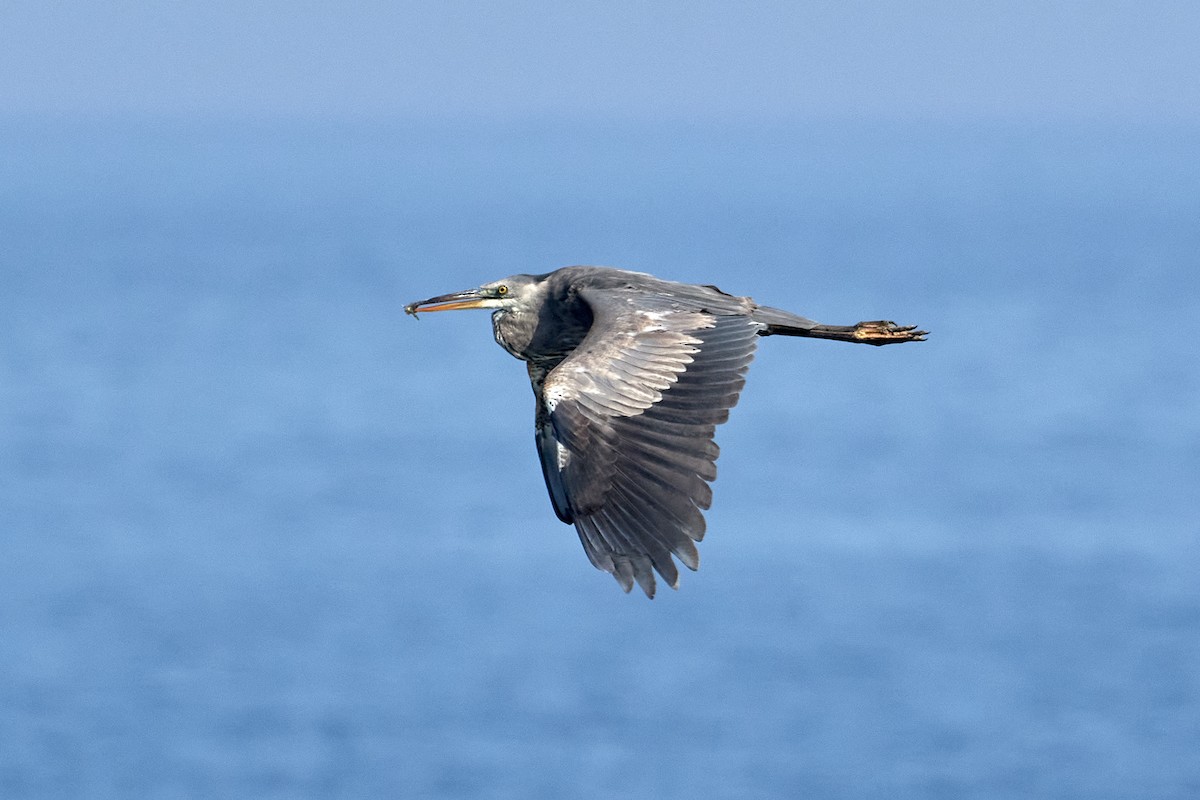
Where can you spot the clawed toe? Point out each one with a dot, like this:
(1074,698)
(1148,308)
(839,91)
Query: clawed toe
(882,331)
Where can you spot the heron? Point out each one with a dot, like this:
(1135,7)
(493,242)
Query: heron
(631,375)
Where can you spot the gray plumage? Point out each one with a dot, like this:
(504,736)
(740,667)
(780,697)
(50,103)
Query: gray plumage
(631,376)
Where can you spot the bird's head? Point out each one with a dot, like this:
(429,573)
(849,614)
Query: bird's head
(508,294)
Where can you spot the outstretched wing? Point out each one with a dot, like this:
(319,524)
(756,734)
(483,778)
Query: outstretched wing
(626,424)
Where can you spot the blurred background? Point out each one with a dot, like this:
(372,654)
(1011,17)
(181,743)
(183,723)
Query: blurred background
(261,535)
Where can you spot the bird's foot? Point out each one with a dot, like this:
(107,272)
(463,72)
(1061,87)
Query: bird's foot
(882,331)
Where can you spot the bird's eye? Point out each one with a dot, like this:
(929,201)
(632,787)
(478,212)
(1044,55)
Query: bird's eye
(502,290)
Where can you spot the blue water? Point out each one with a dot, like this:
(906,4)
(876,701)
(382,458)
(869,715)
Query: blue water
(264,536)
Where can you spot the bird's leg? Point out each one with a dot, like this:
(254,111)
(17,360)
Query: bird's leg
(876,332)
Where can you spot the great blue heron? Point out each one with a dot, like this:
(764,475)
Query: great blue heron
(632,374)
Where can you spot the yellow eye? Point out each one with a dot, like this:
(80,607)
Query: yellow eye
(502,290)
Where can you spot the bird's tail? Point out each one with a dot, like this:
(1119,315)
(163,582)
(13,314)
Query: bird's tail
(784,323)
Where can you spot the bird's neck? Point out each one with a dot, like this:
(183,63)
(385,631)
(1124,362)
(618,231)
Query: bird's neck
(536,338)
(514,331)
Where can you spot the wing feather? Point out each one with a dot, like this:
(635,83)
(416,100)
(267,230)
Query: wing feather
(630,416)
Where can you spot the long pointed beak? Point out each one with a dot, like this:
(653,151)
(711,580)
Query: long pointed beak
(471,298)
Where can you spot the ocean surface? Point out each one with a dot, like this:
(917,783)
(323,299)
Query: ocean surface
(262,535)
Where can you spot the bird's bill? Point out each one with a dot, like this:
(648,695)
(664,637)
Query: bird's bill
(471,298)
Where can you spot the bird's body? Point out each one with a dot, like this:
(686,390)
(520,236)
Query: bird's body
(632,374)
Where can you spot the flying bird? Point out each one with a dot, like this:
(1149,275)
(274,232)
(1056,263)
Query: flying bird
(632,375)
